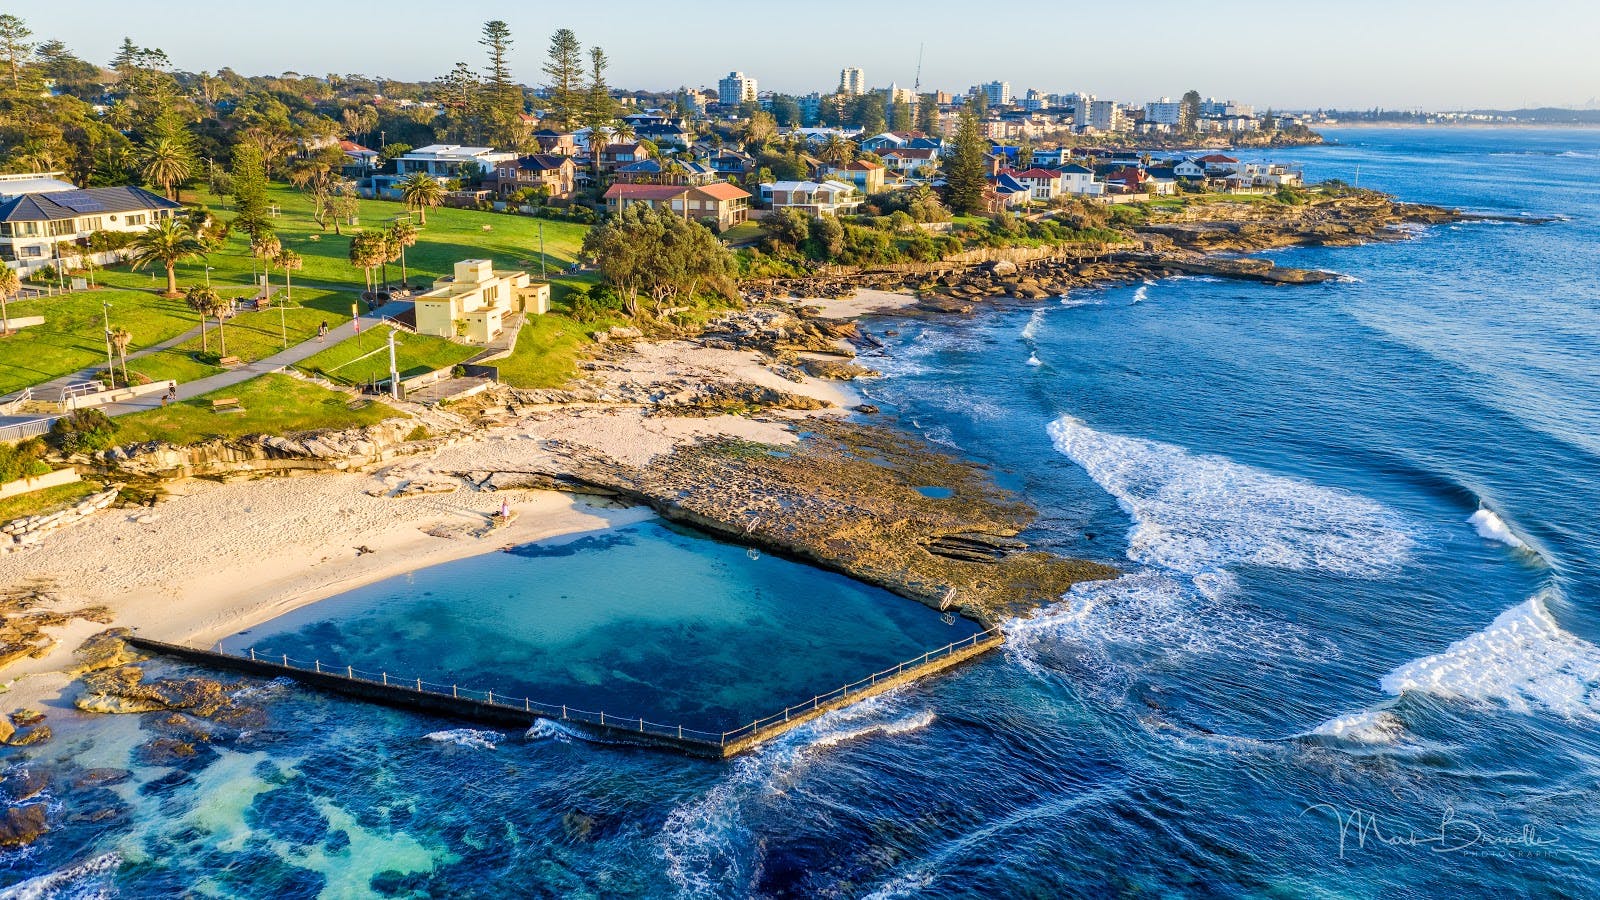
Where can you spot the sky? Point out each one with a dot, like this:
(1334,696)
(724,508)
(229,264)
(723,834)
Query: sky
(1287,54)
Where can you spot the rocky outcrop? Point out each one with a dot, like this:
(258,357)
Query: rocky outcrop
(318,451)
(678,396)
(22,825)
(854,499)
(29,530)
(124,690)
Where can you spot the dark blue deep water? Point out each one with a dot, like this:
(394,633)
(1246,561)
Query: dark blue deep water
(1354,654)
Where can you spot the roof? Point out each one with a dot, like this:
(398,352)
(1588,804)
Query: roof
(353,147)
(861,165)
(88,201)
(645,191)
(909,153)
(836,187)
(450,150)
(723,190)
(1075,169)
(551,133)
(542,162)
(1046,174)
(644,166)
(620,148)
(36,183)
(1217,158)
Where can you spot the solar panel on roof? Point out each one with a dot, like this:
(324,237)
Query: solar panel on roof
(80,204)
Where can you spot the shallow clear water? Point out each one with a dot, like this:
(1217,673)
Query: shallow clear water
(1319,624)
(647,620)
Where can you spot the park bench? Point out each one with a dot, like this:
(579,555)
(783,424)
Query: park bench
(226,404)
(229,362)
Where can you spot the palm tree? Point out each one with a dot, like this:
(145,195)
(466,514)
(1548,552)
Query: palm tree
(219,307)
(10,286)
(836,149)
(120,339)
(288,261)
(624,132)
(404,234)
(420,190)
(264,245)
(164,161)
(200,298)
(168,243)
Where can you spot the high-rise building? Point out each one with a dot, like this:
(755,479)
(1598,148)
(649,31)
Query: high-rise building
(1034,100)
(1165,111)
(998,93)
(1105,115)
(852,81)
(737,88)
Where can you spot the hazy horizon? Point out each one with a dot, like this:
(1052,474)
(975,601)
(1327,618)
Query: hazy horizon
(1350,55)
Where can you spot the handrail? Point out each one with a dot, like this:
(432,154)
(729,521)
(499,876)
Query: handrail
(396,323)
(566,713)
(15,403)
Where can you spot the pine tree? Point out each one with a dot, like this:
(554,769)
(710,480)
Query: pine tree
(502,98)
(928,114)
(460,93)
(249,188)
(565,71)
(15,46)
(600,109)
(966,174)
(1189,112)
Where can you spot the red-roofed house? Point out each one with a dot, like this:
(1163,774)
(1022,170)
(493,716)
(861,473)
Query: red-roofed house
(364,158)
(1043,184)
(721,203)
(867,176)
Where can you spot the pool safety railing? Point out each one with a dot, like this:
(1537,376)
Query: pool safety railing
(414,692)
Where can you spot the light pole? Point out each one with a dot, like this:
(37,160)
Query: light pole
(541,248)
(208,275)
(281,326)
(105,312)
(394,371)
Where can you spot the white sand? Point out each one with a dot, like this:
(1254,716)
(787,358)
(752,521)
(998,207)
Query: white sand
(220,558)
(863,302)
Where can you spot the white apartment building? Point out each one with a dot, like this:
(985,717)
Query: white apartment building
(737,88)
(998,93)
(36,229)
(1165,111)
(1106,115)
(852,81)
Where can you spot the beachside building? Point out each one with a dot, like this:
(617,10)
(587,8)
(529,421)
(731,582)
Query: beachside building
(553,172)
(1270,176)
(1043,184)
(721,204)
(39,227)
(910,161)
(867,176)
(1079,181)
(444,161)
(562,143)
(852,81)
(473,302)
(812,197)
(364,159)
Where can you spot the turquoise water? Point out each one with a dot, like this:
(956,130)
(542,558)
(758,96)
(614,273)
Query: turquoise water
(1363,589)
(647,620)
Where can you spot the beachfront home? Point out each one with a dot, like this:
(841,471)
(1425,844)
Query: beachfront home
(814,198)
(445,161)
(37,228)
(474,301)
(1269,176)
(615,156)
(1043,184)
(553,172)
(909,160)
(1053,158)
(561,143)
(866,175)
(363,159)
(721,204)
(1079,181)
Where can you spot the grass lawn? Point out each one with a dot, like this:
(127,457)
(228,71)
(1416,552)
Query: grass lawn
(72,337)
(548,350)
(249,336)
(742,233)
(45,501)
(273,404)
(415,354)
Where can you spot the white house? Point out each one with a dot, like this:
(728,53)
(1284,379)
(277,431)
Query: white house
(1079,181)
(909,160)
(1042,184)
(38,228)
(812,197)
(444,161)
(1189,168)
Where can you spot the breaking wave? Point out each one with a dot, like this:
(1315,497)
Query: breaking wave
(1372,727)
(1031,330)
(1033,360)
(467,737)
(1195,513)
(1142,294)
(709,846)
(88,880)
(1524,661)
(1491,527)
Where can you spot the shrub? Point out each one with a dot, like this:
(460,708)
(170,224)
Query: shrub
(419,433)
(83,431)
(22,460)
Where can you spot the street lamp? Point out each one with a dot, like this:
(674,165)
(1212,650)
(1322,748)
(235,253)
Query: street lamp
(105,312)
(208,275)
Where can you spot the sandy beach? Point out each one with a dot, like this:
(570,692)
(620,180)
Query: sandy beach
(215,558)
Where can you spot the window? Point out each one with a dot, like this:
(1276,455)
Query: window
(133,219)
(93,224)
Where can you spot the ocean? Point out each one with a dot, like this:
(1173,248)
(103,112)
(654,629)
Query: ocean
(1355,651)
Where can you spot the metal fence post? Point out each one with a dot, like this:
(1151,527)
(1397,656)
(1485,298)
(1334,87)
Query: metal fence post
(563,712)
(491,698)
(385,679)
(317,665)
(527,705)
(641,723)
(252,654)
(350,671)
(602,717)
(286,660)
(419,685)
(454,692)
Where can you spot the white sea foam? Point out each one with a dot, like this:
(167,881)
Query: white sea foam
(1033,360)
(709,847)
(82,881)
(1195,513)
(1142,294)
(467,737)
(1031,330)
(1491,527)
(1374,726)
(1524,660)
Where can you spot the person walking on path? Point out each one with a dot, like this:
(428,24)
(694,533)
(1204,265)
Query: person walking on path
(322,331)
